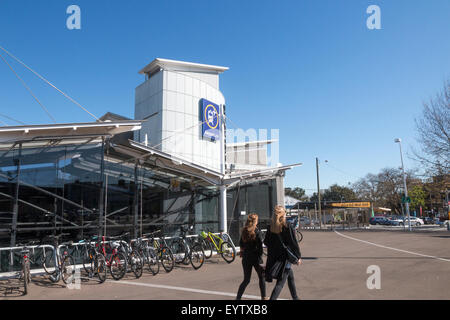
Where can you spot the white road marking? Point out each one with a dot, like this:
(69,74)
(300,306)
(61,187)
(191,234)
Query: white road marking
(160,286)
(395,249)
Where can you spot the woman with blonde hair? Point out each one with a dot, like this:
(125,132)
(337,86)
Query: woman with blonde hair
(251,250)
(282,247)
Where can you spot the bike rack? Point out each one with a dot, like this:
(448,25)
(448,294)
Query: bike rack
(57,251)
(187,236)
(12,274)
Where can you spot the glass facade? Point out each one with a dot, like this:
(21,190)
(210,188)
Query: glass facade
(94,189)
(259,198)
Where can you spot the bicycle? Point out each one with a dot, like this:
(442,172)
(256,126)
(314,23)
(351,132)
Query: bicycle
(163,251)
(134,259)
(224,245)
(60,267)
(88,252)
(148,254)
(186,253)
(24,273)
(115,260)
(94,262)
(295,221)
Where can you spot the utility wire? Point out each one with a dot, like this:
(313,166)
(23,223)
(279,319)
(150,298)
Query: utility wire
(232,122)
(29,90)
(49,83)
(341,171)
(179,132)
(166,138)
(5,116)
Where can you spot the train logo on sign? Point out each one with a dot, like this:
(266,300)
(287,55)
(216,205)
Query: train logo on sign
(211,116)
(210,120)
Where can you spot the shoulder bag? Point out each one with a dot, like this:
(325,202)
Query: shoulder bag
(291,257)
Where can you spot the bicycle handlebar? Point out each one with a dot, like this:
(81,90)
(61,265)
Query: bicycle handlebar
(30,243)
(152,233)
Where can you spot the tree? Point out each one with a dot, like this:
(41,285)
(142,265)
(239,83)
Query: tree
(297,193)
(433,128)
(417,195)
(335,193)
(384,189)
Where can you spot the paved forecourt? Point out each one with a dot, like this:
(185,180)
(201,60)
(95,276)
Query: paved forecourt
(335,266)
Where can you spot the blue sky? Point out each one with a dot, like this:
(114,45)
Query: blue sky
(335,89)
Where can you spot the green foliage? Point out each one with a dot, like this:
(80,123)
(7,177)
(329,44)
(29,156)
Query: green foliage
(336,193)
(418,196)
(297,193)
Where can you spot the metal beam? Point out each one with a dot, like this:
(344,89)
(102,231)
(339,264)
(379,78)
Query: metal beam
(16,202)
(102,191)
(136,201)
(39,208)
(23,183)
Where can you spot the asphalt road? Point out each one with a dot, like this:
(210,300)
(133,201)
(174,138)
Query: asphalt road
(411,265)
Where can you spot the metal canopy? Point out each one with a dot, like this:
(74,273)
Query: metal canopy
(178,164)
(168,163)
(36,136)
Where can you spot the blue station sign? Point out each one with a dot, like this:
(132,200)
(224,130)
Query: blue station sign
(210,120)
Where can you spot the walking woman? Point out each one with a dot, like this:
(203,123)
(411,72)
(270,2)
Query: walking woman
(280,236)
(251,254)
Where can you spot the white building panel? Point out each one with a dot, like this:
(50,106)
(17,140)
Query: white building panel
(175,93)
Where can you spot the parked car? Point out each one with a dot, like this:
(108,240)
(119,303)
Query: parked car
(397,221)
(414,221)
(378,220)
(428,220)
(393,222)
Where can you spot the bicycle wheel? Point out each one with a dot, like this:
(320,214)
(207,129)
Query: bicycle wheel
(118,265)
(136,263)
(299,236)
(197,256)
(152,260)
(68,269)
(186,256)
(49,260)
(100,267)
(26,277)
(207,248)
(88,259)
(167,259)
(178,251)
(185,251)
(228,251)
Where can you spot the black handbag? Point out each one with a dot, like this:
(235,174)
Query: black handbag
(291,257)
(275,270)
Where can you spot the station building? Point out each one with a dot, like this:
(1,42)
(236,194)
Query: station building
(171,165)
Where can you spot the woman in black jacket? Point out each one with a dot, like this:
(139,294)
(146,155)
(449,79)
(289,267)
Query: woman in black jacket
(277,265)
(251,250)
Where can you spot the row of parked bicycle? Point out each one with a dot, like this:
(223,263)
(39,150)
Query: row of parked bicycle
(99,255)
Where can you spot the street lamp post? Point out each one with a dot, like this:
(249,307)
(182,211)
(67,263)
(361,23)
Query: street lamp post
(318,193)
(399,141)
